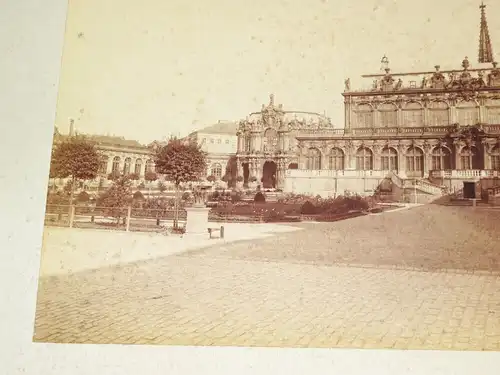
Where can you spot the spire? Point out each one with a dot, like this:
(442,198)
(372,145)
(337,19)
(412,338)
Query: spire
(485,50)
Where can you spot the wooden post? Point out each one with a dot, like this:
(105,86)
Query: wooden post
(71,216)
(129,213)
(222,231)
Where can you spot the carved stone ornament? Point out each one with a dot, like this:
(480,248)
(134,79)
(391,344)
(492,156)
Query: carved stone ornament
(427,146)
(494,76)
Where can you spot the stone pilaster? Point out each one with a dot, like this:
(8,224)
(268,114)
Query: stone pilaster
(401,160)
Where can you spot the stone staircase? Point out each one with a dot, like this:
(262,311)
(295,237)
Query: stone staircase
(420,187)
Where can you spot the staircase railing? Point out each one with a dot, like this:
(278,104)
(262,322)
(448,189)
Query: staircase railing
(420,184)
(396,180)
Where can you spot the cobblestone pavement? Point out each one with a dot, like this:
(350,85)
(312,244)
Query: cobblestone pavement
(287,291)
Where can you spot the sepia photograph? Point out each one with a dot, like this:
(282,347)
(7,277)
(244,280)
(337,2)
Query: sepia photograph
(275,174)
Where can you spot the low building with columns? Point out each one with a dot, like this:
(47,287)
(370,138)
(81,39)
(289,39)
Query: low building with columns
(428,131)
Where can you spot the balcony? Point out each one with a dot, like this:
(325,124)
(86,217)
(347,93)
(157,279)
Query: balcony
(323,173)
(465,174)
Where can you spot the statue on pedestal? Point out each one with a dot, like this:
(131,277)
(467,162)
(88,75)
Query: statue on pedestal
(347,84)
(199,195)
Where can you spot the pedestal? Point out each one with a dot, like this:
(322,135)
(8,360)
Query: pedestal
(197,220)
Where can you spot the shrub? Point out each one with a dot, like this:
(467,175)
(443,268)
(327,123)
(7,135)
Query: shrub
(259,198)
(211,178)
(185,196)
(134,176)
(83,197)
(138,196)
(239,178)
(236,196)
(308,208)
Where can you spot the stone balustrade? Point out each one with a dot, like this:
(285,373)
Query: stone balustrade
(467,173)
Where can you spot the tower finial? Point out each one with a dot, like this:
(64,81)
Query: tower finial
(485,50)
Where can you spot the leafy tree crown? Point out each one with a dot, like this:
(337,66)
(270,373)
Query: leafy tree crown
(77,158)
(180,161)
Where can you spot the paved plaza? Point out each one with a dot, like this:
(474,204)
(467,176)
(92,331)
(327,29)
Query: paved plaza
(423,278)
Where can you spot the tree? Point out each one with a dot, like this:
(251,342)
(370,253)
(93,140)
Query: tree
(231,171)
(76,158)
(116,198)
(180,162)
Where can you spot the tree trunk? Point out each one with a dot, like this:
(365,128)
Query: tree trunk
(71,195)
(176,207)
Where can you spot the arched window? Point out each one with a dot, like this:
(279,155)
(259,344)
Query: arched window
(467,113)
(438,114)
(103,164)
(470,158)
(336,159)
(248,143)
(116,164)
(313,159)
(495,158)
(364,116)
(126,166)
(493,111)
(364,159)
(388,115)
(389,159)
(270,140)
(138,166)
(414,162)
(413,115)
(441,159)
(216,170)
(149,166)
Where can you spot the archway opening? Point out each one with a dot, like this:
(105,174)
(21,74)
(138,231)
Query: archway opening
(246,173)
(293,166)
(269,175)
(470,158)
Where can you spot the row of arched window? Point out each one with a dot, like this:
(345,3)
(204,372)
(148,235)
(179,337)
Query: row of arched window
(413,114)
(128,166)
(441,159)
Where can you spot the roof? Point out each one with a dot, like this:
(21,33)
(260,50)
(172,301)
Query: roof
(114,140)
(222,127)
(104,140)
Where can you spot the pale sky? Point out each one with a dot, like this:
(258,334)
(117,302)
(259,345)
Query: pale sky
(145,69)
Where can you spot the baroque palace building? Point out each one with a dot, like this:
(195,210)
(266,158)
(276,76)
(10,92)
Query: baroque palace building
(431,131)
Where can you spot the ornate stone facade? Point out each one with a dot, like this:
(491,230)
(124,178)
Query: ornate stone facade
(444,127)
(267,142)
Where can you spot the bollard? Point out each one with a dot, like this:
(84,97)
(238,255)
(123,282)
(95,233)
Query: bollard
(92,219)
(474,202)
(222,231)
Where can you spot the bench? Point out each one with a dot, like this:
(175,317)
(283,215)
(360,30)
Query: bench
(217,229)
